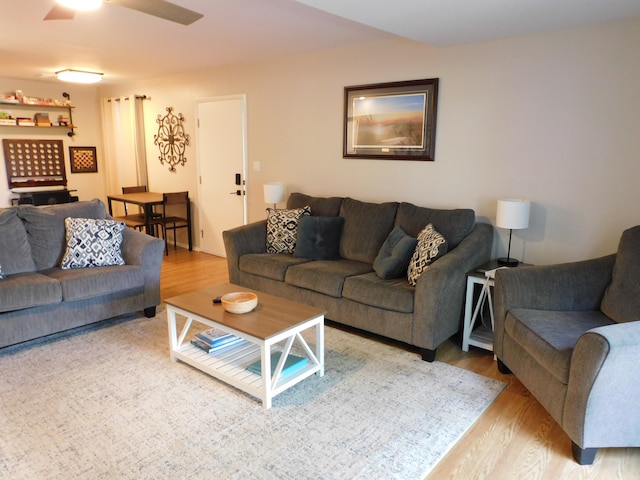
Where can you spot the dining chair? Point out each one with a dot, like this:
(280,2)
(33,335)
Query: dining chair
(133,220)
(170,220)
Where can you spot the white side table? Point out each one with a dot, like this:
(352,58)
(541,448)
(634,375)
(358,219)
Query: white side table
(482,336)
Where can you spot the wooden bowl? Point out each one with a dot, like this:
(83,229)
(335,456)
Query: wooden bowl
(239,302)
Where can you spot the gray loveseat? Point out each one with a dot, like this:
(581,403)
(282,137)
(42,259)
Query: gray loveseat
(38,298)
(571,334)
(348,288)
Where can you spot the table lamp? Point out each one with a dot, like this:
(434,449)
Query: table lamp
(274,193)
(513,213)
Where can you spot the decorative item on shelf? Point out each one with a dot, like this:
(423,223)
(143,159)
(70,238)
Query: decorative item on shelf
(42,119)
(513,213)
(274,193)
(239,302)
(171,139)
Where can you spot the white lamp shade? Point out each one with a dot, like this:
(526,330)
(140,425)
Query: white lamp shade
(274,192)
(513,213)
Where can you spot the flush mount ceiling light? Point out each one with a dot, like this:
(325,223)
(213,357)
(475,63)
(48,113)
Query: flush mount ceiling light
(83,5)
(78,76)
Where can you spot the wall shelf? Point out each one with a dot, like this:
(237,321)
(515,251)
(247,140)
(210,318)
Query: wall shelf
(45,108)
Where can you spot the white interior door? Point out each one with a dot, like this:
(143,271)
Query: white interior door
(222,166)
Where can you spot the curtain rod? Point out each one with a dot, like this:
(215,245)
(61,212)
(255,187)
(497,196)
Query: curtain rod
(143,97)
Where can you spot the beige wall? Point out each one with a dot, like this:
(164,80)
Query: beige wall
(86,116)
(551,117)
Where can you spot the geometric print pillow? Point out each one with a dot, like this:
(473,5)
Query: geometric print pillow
(431,245)
(282,229)
(92,243)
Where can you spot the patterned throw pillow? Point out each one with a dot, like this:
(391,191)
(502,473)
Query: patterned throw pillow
(92,243)
(431,245)
(282,229)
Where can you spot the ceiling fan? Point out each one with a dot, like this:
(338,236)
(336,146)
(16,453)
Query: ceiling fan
(157,8)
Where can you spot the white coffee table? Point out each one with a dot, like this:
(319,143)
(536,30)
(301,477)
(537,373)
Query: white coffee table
(275,325)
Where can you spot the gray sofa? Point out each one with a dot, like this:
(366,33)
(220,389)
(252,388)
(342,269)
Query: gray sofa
(571,334)
(348,288)
(38,298)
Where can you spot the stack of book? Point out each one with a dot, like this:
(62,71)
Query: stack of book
(26,122)
(6,118)
(213,339)
(63,121)
(42,120)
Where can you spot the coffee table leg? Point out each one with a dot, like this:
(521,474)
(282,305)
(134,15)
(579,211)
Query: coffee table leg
(320,346)
(173,334)
(265,352)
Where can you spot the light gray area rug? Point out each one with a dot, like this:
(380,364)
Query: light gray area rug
(107,403)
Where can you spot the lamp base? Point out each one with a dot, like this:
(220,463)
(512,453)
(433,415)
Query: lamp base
(508,262)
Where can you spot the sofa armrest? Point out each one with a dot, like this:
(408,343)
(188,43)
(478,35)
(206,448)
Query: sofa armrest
(440,291)
(604,387)
(141,249)
(250,238)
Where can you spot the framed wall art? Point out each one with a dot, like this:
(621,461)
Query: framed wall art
(395,121)
(83,159)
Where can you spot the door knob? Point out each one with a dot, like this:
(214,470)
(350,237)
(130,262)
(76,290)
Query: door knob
(237,192)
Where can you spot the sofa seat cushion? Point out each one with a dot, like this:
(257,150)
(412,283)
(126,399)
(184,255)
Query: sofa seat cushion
(325,276)
(80,283)
(370,289)
(268,265)
(26,290)
(549,337)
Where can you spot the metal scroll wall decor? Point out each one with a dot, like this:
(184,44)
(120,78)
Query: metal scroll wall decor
(171,139)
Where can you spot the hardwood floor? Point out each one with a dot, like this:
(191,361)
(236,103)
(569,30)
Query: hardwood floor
(514,439)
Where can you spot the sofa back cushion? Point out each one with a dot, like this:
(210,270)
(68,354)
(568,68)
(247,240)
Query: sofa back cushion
(621,301)
(320,206)
(366,227)
(15,251)
(46,230)
(454,225)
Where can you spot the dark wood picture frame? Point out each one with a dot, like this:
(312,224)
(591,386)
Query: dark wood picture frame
(83,159)
(393,121)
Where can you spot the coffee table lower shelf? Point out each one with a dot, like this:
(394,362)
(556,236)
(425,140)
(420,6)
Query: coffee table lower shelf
(229,364)
(230,367)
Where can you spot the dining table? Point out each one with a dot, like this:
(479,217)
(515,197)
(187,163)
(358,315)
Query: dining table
(145,200)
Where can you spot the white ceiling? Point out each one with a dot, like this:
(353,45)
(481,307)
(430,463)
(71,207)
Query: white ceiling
(128,45)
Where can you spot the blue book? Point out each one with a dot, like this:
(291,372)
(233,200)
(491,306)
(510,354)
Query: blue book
(215,337)
(292,363)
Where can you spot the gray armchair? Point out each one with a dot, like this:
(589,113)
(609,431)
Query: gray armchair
(570,333)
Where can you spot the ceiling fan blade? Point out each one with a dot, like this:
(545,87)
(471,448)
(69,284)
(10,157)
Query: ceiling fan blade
(162,9)
(58,12)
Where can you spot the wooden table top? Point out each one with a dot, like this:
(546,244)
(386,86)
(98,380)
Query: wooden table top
(138,198)
(272,316)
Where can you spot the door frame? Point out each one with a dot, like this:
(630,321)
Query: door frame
(245,159)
